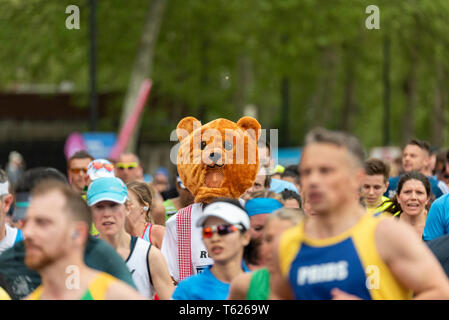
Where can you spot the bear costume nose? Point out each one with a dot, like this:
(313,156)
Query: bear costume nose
(215,156)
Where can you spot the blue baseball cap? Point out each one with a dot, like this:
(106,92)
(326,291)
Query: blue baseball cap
(262,205)
(163,171)
(107,189)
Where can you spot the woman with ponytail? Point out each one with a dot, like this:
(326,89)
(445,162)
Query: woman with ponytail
(412,200)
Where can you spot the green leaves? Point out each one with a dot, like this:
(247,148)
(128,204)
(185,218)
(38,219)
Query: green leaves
(322,47)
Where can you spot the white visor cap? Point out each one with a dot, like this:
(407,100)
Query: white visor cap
(226,211)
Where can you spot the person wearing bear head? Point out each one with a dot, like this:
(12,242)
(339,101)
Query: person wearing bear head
(215,160)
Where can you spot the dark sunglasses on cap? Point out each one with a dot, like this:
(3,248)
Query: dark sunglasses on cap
(78,170)
(222,230)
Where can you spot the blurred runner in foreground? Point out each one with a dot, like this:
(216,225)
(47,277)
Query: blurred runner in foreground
(56,232)
(342,252)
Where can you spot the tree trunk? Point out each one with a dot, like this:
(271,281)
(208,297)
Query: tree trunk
(285,113)
(411,100)
(143,64)
(387,90)
(204,80)
(438,116)
(245,80)
(322,100)
(349,106)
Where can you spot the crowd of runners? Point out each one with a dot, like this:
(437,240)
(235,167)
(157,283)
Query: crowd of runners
(334,226)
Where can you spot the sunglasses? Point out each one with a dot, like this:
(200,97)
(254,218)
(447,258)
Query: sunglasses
(222,230)
(130,165)
(78,170)
(107,166)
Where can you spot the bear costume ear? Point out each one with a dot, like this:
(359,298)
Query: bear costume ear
(186,127)
(250,125)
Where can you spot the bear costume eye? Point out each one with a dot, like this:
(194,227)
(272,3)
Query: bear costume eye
(203,145)
(227,145)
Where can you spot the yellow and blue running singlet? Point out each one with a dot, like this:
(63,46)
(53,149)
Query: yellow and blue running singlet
(349,261)
(380,209)
(4,295)
(96,291)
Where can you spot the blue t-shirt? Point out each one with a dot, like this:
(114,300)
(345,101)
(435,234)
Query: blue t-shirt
(393,185)
(203,286)
(19,236)
(278,186)
(437,222)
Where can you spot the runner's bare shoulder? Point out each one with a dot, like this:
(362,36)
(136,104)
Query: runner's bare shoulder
(122,291)
(239,287)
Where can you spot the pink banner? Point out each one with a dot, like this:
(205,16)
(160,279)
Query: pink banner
(131,123)
(74,143)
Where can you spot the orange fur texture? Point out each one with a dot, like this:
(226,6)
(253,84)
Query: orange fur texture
(218,159)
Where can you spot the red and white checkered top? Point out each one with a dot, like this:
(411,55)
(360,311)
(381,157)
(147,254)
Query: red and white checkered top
(184,227)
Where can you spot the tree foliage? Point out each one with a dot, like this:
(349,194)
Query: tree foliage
(213,57)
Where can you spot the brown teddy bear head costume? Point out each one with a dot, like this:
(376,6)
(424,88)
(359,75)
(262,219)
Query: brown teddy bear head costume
(218,159)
